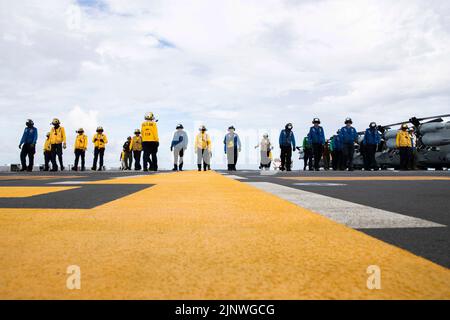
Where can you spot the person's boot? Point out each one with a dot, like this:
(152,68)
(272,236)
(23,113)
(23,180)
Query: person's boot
(175,167)
(83,168)
(205,167)
(94,168)
(199,167)
(180,167)
(74,168)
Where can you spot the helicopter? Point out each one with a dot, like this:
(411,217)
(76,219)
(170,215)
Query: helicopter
(432,149)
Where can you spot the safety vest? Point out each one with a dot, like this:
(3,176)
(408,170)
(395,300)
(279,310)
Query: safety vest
(57,135)
(149,131)
(136,143)
(47,145)
(202,141)
(100,141)
(81,142)
(403,139)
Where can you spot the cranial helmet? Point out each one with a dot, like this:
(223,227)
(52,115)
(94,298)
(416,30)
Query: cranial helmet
(80,130)
(289,126)
(316,120)
(29,123)
(372,125)
(179,126)
(348,120)
(202,128)
(231,128)
(55,121)
(137,131)
(99,129)
(149,116)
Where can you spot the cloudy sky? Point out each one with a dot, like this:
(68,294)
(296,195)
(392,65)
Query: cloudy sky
(254,64)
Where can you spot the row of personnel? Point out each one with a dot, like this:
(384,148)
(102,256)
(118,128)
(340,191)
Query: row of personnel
(146,141)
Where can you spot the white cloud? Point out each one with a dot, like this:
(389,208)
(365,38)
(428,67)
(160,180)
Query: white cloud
(258,64)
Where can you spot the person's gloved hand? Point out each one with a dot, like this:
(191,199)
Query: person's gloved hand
(171,148)
(64,145)
(20,146)
(101,140)
(157,143)
(293,149)
(33,145)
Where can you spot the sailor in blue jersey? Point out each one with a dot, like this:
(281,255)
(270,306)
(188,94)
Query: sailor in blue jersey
(316,137)
(348,136)
(372,139)
(28,146)
(232,147)
(287,146)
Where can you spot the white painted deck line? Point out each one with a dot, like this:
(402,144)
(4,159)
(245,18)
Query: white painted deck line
(231,176)
(351,214)
(69,182)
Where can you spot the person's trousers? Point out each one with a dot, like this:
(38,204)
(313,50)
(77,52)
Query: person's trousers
(412,159)
(370,162)
(348,152)
(337,160)
(57,152)
(265,159)
(326,160)
(232,157)
(137,160)
(98,153)
(405,154)
(80,153)
(308,158)
(317,153)
(28,150)
(178,154)
(47,159)
(203,158)
(150,155)
(286,157)
(128,159)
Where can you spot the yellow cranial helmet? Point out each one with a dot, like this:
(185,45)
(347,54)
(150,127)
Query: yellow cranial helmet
(137,131)
(80,130)
(149,116)
(55,121)
(99,129)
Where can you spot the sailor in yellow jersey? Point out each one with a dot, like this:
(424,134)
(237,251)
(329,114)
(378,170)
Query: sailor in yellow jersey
(80,147)
(150,142)
(58,142)
(203,149)
(100,142)
(47,152)
(404,144)
(136,148)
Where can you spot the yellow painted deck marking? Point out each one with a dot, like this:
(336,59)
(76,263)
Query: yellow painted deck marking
(386,178)
(24,192)
(197,235)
